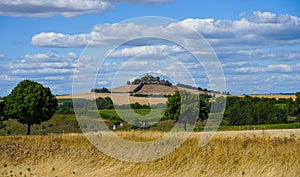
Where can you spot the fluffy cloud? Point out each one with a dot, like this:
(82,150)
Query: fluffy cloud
(259,54)
(51,69)
(42,64)
(270,68)
(48,57)
(47,8)
(262,29)
(143,1)
(67,8)
(2,57)
(146,50)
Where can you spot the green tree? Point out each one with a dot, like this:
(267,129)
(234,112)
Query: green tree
(218,105)
(1,115)
(186,108)
(298,118)
(290,107)
(104,103)
(297,103)
(277,115)
(173,107)
(30,103)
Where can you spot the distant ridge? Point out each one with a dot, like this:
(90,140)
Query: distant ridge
(271,94)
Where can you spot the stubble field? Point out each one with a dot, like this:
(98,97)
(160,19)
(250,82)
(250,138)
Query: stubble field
(245,153)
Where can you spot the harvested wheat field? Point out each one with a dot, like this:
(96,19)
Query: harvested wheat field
(118,98)
(276,96)
(227,154)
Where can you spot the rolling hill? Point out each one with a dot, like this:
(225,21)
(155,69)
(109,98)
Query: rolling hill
(150,85)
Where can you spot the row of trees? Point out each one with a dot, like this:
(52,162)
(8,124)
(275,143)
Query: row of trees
(32,103)
(253,110)
(100,90)
(183,106)
(238,111)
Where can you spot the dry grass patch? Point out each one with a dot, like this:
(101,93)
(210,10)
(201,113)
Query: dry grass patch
(226,155)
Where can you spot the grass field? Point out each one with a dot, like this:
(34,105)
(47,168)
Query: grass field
(136,114)
(227,154)
(65,100)
(59,123)
(67,123)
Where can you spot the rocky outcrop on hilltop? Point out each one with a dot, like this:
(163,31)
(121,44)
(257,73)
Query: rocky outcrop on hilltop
(149,79)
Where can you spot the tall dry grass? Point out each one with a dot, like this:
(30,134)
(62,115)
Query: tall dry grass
(225,155)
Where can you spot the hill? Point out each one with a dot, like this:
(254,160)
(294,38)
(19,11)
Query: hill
(123,89)
(117,98)
(149,85)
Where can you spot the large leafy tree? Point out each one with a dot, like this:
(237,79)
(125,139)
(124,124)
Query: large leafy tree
(297,103)
(30,103)
(104,103)
(186,108)
(1,114)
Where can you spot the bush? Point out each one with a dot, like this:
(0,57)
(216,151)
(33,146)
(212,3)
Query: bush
(140,95)
(298,118)
(101,90)
(104,103)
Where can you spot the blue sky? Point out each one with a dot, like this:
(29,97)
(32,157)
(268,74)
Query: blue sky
(257,42)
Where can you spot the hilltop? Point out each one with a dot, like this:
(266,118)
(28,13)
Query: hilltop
(140,90)
(149,79)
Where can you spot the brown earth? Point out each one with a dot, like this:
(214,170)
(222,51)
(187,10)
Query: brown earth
(123,89)
(158,89)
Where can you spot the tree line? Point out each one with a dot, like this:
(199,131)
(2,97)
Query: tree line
(32,103)
(238,111)
(253,110)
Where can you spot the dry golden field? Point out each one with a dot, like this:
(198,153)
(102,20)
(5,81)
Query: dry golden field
(121,96)
(277,96)
(118,98)
(254,153)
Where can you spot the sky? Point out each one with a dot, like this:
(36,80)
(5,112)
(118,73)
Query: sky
(241,46)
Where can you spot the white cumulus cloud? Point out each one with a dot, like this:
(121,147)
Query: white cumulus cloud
(146,50)
(262,29)
(269,68)
(66,8)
